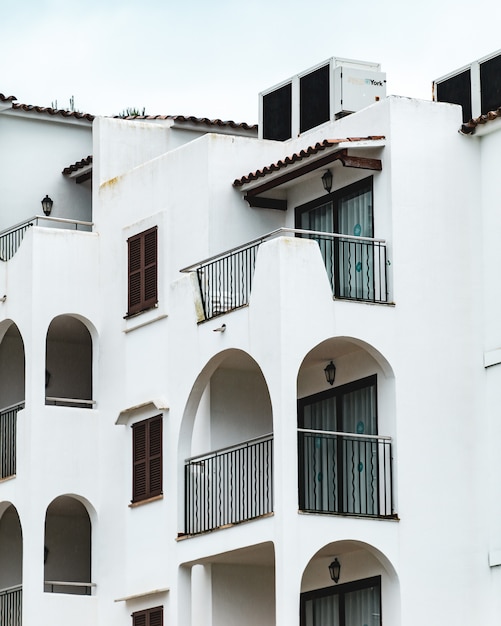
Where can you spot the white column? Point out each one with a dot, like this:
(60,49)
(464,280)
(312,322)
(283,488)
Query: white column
(201,595)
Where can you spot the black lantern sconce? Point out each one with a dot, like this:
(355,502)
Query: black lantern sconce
(330,373)
(335,570)
(327,180)
(47,205)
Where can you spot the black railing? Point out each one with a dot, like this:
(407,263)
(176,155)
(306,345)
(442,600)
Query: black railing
(73,588)
(70,402)
(11,238)
(356,267)
(229,486)
(8,426)
(11,601)
(225,283)
(345,473)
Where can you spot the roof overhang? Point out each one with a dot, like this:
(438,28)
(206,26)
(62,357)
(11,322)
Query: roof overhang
(298,165)
(81,171)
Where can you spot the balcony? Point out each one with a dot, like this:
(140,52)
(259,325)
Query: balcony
(356,267)
(8,425)
(229,486)
(345,474)
(11,606)
(11,238)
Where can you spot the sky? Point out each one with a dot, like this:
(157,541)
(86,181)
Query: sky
(211,59)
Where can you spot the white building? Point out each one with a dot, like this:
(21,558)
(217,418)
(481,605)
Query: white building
(170,447)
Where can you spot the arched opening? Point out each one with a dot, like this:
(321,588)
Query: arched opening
(67,547)
(344,431)
(367,587)
(227,437)
(68,370)
(12,394)
(11,566)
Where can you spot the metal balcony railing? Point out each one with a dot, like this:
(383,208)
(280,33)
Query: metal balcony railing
(69,402)
(11,600)
(345,473)
(228,486)
(356,267)
(73,588)
(8,427)
(11,238)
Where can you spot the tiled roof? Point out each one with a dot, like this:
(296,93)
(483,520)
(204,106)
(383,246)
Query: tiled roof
(326,144)
(204,121)
(181,119)
(62,112)
(469,127)
(77,166)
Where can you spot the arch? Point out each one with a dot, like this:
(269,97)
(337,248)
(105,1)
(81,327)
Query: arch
(68,546)
(12,393)
(228,410)
(363,566)
(350,468)
(11,564)
(12,365)
(69,358)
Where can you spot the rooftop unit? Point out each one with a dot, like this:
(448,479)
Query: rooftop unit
(476,87)
(328,91)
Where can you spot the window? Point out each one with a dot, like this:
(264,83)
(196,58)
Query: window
(350,262)
(352,604)
(338,472)
(147,459)
(142,271)
(149,617)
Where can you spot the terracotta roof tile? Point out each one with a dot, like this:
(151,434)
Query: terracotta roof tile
(77,166)
(469,127)
(204,121)
(299,156)
(7,98)
(62,112)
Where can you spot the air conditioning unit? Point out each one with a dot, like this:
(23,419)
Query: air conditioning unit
(326,92)
(476,87)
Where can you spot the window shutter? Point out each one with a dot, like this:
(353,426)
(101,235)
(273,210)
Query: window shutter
(147,459)
(157,616)
(155,456)
(139,454)
(142,271)
(139,618)
(149,617)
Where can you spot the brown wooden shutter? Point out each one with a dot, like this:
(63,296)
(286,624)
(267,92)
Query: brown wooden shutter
(147,459)
(155,456)
(149,617)
(139,460)
(142,271)
(139,618)
(156,616)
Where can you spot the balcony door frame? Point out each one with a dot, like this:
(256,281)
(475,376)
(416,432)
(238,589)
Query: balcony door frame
(335,252)
(337,394)
(338,594)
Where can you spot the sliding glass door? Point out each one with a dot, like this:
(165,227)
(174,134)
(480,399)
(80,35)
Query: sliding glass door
(354,604)
(349,261)
(338,455)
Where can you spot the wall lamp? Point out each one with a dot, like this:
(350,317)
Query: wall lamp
(47,205)
(330,373)
(327,180)
(335,570)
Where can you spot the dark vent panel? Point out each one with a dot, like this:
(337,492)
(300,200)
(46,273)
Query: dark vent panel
(277,114)
(457,90)
(314,99)
(490,84)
